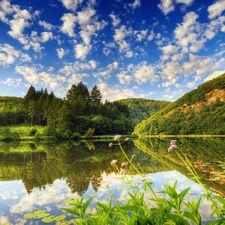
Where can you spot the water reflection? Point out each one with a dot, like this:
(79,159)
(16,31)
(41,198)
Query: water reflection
(42,176)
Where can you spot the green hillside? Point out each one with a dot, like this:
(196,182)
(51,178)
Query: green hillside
(141,109)
(201,111)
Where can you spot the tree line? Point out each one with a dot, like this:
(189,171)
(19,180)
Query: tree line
(79,111)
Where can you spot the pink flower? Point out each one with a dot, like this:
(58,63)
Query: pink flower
(127,139)
(173,145)
(122,171)
(124,164)
(117,137)
(110,144)
(173,142)
(113,162)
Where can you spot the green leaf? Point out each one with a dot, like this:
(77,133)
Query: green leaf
(61,217)
(48,219)
(28,216)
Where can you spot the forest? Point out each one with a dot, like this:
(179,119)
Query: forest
(80,112)
(200,112)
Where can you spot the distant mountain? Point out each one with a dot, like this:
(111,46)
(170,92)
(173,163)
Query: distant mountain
(200,111)
(141,109)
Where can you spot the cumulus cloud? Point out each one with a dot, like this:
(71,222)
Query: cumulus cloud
(33,76)
(71,4)
(81,51)
(115,20)
(46,25)
(169,49)
(84,17)
(166,6)
(74,68)
(12,82)
(124,78)
(9,55)
(135,4)
(46,36)
(145,74)
(68,26)
(113,93)
(216,9)
(60,52)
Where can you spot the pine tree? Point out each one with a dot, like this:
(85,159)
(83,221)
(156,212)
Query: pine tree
(96,95)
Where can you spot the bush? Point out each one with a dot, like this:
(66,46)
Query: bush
(33,131)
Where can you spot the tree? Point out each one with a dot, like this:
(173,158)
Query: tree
(31,95)
(96,95)
(79,92)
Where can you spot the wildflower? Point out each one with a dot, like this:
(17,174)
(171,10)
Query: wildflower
(107,186)
(124,164)
(173,145)
(110,144)
(113,162)
(117,137)
(122,171)
(127,139)
(173,142)
(133,156)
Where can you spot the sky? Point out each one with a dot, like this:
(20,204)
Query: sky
(152,49)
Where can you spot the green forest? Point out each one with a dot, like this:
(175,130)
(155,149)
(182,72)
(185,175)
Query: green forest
(80,112)
(200,112)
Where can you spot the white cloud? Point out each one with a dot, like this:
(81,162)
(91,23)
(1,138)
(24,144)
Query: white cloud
(214,75)
(166,6)
(85,16)
(93,64)
(75,68)
(124,78)
(60,52)
(216,9)
(186,2)
(115,20)
(169,49)
(113,93)
(145,74)
(82,51)
(46,25)
(121,33)
(68,24)
(33,76)
(141,34)
(46,36)
(8,55)
(71,4)
(129,54)
(13,82)
(135,4)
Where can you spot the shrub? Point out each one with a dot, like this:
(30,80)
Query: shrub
(33,131)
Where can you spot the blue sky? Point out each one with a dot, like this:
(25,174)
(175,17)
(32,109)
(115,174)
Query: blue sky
(129,48)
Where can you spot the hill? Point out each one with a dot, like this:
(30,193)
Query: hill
(200,111)
(141,109)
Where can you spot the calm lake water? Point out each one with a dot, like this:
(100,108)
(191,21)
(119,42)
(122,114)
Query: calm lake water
(40,176)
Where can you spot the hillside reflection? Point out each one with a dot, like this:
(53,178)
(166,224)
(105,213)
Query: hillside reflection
(82,164)
(73,162)
(206,154)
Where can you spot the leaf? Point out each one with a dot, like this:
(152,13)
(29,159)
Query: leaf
(28,216)
(48,219)
(61,217)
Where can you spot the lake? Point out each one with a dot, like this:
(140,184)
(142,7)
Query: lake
(41,176)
